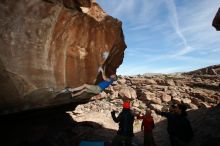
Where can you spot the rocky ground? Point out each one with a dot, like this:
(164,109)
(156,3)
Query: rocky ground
(92,121)
(199,90)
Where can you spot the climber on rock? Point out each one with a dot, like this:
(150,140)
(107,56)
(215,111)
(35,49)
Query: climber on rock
(96,89)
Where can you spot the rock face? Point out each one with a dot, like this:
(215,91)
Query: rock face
(216,21)
(48,45)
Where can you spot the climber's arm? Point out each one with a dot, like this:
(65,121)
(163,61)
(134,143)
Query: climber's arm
(103,74)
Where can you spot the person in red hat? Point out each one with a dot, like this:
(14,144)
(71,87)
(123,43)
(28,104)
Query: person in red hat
(95,89)
(125,131)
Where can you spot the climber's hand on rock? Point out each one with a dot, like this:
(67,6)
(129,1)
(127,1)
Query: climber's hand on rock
(100,69)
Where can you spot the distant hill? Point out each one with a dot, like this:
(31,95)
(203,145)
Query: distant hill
(151,74)
(210,70)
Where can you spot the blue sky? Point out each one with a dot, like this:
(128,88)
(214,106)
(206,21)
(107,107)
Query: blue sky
(166,36)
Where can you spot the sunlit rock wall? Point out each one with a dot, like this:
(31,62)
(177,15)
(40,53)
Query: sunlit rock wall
(48,45)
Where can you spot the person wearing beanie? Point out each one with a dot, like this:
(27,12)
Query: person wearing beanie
(126,105)
(125,120)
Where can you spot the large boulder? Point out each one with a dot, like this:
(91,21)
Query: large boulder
(48,45)
(128,92)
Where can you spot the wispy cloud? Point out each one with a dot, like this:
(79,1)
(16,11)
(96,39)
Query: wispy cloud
(166,35)
(175,23)
(196,24)
(124,8)
(139,27)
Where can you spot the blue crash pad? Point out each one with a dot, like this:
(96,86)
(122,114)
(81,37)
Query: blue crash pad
(91,143)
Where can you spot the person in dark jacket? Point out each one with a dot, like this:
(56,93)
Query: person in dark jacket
(147,125)
(170,121)
(125,131)
(178,126)
(183,133)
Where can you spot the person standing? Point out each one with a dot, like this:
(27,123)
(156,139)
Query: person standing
(147,126)
(125,132)
(183,133)
(178,126)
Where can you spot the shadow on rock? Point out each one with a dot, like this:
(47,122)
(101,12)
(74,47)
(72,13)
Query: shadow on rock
(53,128)
(49,129)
